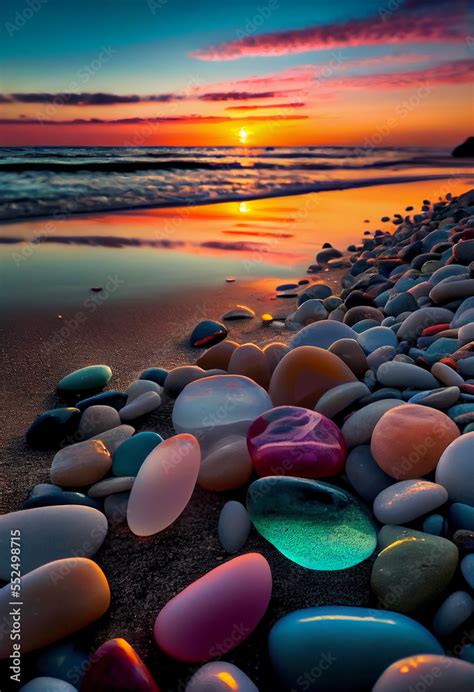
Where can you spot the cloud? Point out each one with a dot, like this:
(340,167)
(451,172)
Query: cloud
(417,21)
(87,99)
(243,95)
(181,119)
(294,104)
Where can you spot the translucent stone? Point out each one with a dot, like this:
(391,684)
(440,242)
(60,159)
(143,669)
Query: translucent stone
(312,523)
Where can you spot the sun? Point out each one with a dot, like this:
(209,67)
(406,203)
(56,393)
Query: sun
(243,135)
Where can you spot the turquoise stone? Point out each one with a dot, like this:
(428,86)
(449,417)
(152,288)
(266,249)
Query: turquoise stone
(462,414)
(339,648)
(157,375)
(64,660)
(434,525)
(314,524)
(131,454)
(86,380)
(461,516)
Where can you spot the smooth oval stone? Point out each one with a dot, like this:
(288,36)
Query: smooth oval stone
(383,354)
(376,337)
(413,325)
(408,441)
(316,291)
(112,439)
(452,613)
(83,463)
(234,526)
(227,466)
(402,302)
(115,508)
(434,524)
(466,367)
(305,374)
(312,523)
(405,501)
(390,533)
(217,612)
(397,374)
(240,312)
(294,441)
(109,486)
(364,474)
(180,377)
(317,640)
(218,406)
(89,379)
(53,427)
(217,356)
(454,470)
(358,428)
(110,398)
(129,457)
(156,375)
(322,334)
(64,660)
(452,289)
(250,360)
(427,672)
(58,599)
(412,572)
(97,419)
(349,351)
(341,397)
(362,312)
(464,539)
(274,352)
(116,666)
(143,404)
(467,569)
(47,684)
(467,653)
(48,495)
(164,485)
(207,333)
(328,253)
(49,533)
(220,677)
(440,398)
(461,516)
(139,387)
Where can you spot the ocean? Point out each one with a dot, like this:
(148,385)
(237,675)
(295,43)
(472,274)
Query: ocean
(62,181)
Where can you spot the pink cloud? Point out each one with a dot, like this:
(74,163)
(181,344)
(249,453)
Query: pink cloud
(294,104)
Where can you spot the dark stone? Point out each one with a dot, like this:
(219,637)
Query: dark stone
(157,375)
(464,150)
(207,333)
(111,398)
(356,298)
(47,495)
(52,427)
(464,539)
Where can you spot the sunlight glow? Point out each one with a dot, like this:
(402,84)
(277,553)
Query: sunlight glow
(244,208)
(243,135)
(228,679)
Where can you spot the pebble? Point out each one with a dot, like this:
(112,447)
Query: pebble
(467,569)
(218,406)
(97,419)
(440,398)
(47,495)
(234,526)
(414,324)
(274,352)
(376,337)
(80,464)
(306,645)
(110,398)
(200,622)
(139,387)
(301,517)
(349,351)
(434,525)
(293,441)
(156,375)
(383,354)
(412,572)
(364,474)
(143,404)
(318,291)
(407,500)
(362,312)
(455,468)
(397,374)
(446,375)
(116,666)
(341,397)
(109,486)
(220,677)
(423,672)
(322,334)
(452,613)
(115,508)
(52,428)
(249,360)
(461,516)
(308,312)
(164,485)
(47,684)
(358,428)
(178,378)
(113,438)
(452,289)
(389,533)
(64,660)
(327,254)
(50,533)
(84,381)
(227,466)
(240,312)
(304,374)
(217,356)
(408,441)
(207,333)
(129,457)
(58,599)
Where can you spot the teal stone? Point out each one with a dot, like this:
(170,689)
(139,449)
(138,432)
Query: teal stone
(339,648)
(314,524)
(461,516)
(157,375)
(64,660)
(462,414)
(434,525)
(131,454)
(93,378)
(48,494)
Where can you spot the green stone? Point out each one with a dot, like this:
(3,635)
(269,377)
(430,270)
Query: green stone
(411,572)
(130,455)
(314,524)
(90,379)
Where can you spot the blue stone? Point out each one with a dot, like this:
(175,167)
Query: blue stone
(467,653)
(339,648)
(434,524)
(52,427)
(467,569)
(207,333)
(364,325)
(157,375)
(374,338)
(462,414)
(131,454)
(286,287)
(86,380)
(319,291)
(47,494)
(64,661)
(111,398)
(461,516)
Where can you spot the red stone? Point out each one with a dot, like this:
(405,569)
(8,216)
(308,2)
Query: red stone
(116,667)
(434,329)
(450,362)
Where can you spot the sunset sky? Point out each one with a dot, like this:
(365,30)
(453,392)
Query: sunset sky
(272,72)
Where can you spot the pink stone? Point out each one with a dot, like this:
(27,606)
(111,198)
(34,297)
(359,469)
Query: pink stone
(217,612)
(164,485)
(294,441)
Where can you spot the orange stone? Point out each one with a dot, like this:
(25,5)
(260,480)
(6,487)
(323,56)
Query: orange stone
(274,352)
(305,374)
(250,360)
(409,440)
(218,356)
